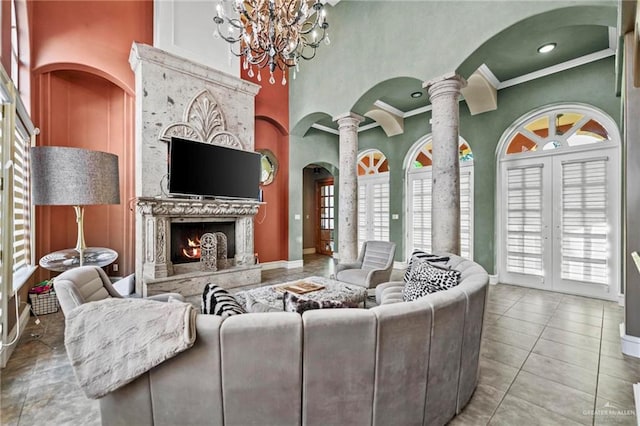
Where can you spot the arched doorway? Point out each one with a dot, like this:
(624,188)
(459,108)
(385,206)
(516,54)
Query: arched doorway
(559,201)
(319,205)
(418,195)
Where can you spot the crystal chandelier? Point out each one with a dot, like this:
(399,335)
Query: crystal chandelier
(273,33)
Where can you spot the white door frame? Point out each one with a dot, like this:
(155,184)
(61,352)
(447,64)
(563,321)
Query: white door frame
(616,219)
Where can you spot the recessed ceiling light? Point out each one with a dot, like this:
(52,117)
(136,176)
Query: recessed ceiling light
(546,48)
(416,94)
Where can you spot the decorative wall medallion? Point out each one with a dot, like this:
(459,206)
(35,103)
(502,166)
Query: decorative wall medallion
(203,121)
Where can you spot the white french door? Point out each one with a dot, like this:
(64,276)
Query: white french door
(560,222)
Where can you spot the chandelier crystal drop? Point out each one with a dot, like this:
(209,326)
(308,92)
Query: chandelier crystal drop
(272,33)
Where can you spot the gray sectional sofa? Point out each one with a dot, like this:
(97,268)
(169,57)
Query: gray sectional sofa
(400,363)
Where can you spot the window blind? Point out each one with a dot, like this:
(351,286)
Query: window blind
(420,211)
(584,226)
(362,213)
(380,211)
(465,212)
(21,202)
(373,209)
(524,220)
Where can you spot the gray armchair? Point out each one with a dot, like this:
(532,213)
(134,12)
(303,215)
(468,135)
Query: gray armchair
(89,284)
(374,265)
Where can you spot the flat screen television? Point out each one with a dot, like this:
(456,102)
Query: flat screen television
(207,170)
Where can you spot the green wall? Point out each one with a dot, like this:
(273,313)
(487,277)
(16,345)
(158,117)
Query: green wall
(373,41)
(316,148)
(591,84)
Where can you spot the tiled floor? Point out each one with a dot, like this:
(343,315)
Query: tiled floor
(546,359)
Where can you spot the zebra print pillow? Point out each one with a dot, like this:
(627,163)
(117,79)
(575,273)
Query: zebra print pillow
(422,255)
(217,301)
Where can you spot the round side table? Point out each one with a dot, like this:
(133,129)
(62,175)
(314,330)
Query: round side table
(62,260)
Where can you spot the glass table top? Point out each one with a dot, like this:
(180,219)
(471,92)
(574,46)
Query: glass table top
(69,258)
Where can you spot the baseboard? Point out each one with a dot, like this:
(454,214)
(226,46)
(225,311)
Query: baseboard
(285,264)
(5,352)
(295,264)
(493,279)
(311,250)
(621,303)
(630,344)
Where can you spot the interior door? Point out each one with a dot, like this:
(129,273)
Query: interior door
(561,223)
(325,217)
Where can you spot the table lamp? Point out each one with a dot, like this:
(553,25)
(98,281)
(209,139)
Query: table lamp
(62,176)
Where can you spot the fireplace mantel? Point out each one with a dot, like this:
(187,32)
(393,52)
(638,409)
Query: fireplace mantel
(195,207)
(160,274)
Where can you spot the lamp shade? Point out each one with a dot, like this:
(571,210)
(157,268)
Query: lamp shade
(73,176)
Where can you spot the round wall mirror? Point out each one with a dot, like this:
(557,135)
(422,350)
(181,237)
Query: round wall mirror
(269,165)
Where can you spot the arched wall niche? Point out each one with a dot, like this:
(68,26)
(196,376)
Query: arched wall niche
(271,229)
(85,110)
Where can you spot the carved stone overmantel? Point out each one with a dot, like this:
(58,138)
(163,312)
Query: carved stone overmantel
(179,97)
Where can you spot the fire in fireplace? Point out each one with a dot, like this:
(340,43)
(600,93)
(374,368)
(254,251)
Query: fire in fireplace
(185,239)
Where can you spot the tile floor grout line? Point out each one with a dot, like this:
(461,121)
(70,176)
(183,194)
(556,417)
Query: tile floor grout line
(518,373)
(495,410)
(595,400)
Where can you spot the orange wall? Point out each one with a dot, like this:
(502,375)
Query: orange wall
(95,34)
(272,132)
(82,96)
(83,110)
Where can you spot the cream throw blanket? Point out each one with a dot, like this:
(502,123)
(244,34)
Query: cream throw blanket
(113,341)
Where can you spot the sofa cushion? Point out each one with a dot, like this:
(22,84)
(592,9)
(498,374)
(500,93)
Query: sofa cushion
(424,256)
(294,303)
(217,301)
(426,278)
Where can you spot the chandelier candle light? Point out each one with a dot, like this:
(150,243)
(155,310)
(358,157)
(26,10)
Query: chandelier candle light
(273,33)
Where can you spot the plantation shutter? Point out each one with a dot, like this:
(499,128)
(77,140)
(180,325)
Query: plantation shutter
(524,220)
(584,241)
(380,206)
(421,212)
(21,201)
(362,213)
(466,195)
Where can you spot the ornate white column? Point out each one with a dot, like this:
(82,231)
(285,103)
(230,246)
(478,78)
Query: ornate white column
(445,191)
(348,201)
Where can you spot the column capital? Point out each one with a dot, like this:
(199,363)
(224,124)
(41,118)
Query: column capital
(348,119)
(447,84)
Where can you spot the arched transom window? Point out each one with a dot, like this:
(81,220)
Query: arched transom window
(372,162)
(557,129)
(422,156)
(373,196)
(419,177)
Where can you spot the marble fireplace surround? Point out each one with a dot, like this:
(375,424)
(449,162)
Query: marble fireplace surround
(178,97)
